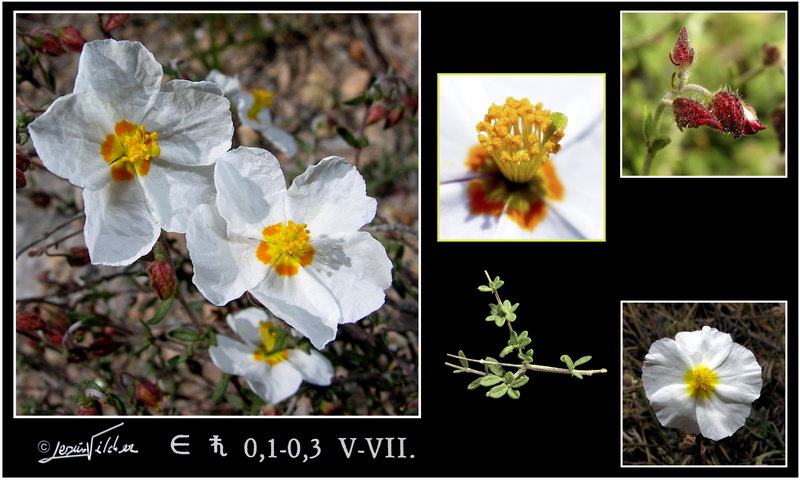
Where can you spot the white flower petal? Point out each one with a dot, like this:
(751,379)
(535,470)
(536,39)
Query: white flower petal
(244,101)
(719,418)
(281,139)
(68,136)
(330,198)
(174,191)
(193,121)
(119,227)
(664,365)
(355,269)
(250,190)
(708,347)
(455,220)
(226,83)
(302,302)
(739,376)
(122,74)
(224,266)
(675,408)
(275,384)
(314,366)
(232,357)
(552,227)
(246,324)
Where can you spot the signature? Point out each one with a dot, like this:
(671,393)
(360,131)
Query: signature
(99,444)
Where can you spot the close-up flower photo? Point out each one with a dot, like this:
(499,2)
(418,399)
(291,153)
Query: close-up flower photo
(521,157)
(703,384)
(216,214)
(703,93)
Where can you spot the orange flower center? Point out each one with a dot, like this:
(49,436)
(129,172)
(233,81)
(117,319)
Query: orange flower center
(266,352)
(286,247)
(129,150)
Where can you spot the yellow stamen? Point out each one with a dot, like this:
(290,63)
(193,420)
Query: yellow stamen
(261,100)
(286,247)
(269,337)
(700,381)
(129,150)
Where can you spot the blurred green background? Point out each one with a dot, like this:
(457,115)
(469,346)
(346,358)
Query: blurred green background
(727,47)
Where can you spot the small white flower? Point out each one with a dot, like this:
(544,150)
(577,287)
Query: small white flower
(296,250)
(253,110)
(140,150)
(701,382)
(274,374)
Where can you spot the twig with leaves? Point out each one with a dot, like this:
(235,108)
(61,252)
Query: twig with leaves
(501,381)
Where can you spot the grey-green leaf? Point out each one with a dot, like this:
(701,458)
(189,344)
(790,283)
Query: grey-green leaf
(577,375)
(647,124)
(513,393)
(490,380)
(500,321)
(508,377)
(475,384)
(506,351)
(582,360)
(659,142)
(568,361)
(462,360)
(520,381)
(494,368)
(185,335)
(484,288)
(498,391)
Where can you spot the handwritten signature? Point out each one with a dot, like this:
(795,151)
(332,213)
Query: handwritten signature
(99,444)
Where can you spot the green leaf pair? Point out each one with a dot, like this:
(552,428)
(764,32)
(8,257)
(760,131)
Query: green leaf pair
(654,144)
(571,365)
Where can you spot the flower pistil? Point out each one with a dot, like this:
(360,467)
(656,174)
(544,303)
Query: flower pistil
(700,381)
(129,150)
(286,247)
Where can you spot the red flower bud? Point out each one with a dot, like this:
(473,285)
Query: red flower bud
(148,393)
(376,114)
(72,39)
(50,45)
(394,117)
(78,256)
(691,114)
(21,180)
(23,161)
(682,55)
(772,54)
(92,408)
(116,20)
(411,101)
(162,278)
(29,321)
(103,345)
(736,116)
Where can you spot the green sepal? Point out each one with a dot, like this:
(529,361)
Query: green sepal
(496,369)
(513,393)
(506,351)
(659,142)
(498,391)
(520,381)
(490,380)
(464,363)
(475,384)
(582,360)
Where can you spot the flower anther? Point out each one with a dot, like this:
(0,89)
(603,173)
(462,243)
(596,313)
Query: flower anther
(129,150)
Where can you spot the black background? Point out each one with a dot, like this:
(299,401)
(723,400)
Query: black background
(667,239)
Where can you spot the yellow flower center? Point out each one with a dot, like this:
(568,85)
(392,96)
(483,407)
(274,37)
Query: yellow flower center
(286,248)
(701,381)
(519,137)
(129,150)
(261,100)
(269,336)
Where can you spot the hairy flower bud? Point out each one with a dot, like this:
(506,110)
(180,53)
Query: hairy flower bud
(23,161)
(71,38)
(148,393)
(49,44)
(78,256)
(682,54)
(21,180)
(376,114)
(411,101)
(394,117)
(162,278)
(691,114)
(116,20)
(91,408)
(772,54)
(29,321)
(736,116)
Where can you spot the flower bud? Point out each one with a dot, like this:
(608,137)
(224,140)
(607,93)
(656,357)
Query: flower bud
(411,101)
(735,116)
(772,54)
(116,20)
(29,321)
(376,114)
(21,180)
(78,257)
(682,54)
(162,278)
(394,117)
(23,161)
(91,408)
(71,38)
(148,393)
(49,44)
(103,345)
(691,114)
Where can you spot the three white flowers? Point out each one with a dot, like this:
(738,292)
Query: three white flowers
(144,154)
(701,382)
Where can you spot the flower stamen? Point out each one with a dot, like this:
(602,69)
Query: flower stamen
(261,100)
(286,247)
(700,381)
(129,150)
(269,338)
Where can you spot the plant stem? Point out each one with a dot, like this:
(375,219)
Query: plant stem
(47,234)
(536,368)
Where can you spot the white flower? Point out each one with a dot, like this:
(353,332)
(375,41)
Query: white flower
(297,251)
(253,110)
(565,200)
(701,382)
(273,373)
(140,150)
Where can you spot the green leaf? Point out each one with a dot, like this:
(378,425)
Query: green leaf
(659,142)
(498,391)
(529,352)
(464,363)
(211,338)
(582,360)
(484,288)
(219,390)
(514,307)
(174,361)
(500,321)
(490,380)
(351,140)
(508,377)
(185,335)
(513,393)
(568,361)
(514,338)
(520,381)
(475,384)
(506,351)
(162,310)
(523,342)
(559,120)
(576,374)
(497,283)
(356,100)
(647,125)
(496,369)
(493,318)
(511,317)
